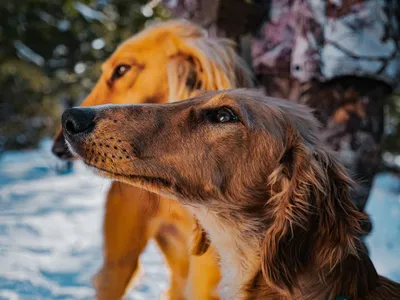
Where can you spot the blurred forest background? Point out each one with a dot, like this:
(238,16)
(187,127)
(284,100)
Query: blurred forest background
(50,57)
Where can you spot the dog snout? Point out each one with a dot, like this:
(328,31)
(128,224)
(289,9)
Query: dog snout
(78,120)
(59,148)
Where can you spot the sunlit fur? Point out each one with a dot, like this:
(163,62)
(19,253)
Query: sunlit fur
(169,61)
(273,201)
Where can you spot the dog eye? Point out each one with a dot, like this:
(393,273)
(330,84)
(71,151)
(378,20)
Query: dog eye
(225,115)
(120,71)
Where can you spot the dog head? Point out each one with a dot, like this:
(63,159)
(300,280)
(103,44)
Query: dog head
(249,159)
(164,63)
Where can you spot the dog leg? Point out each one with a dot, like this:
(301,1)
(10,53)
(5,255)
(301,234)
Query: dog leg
(204,276)
(129,211)
(174,245)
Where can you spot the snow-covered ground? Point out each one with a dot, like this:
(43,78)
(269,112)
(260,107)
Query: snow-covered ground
(50,230)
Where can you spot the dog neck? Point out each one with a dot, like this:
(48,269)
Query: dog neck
(238,249)
(238,244)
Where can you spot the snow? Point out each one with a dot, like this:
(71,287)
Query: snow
(384,210)
(50,230)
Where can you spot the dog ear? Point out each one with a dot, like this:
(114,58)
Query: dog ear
(182,78)
(200,241)
(338,216)
(208,64)
(313,220)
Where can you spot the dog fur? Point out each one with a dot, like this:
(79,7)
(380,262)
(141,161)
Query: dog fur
(164,63)
(273,200)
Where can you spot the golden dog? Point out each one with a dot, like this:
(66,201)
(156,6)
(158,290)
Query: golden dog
(274,201)
(164,63)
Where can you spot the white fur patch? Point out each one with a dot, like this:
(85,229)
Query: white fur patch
(239,254)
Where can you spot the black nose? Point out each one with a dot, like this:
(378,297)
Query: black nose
(78,120)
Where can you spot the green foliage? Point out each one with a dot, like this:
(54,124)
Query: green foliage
(50,54)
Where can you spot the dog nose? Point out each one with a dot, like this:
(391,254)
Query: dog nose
(78,120)
(60,149)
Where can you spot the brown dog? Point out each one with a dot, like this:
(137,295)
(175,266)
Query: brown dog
(167,62)
(274,202)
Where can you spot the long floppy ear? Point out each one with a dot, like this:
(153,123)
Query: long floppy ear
(205,63)
(313,221)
